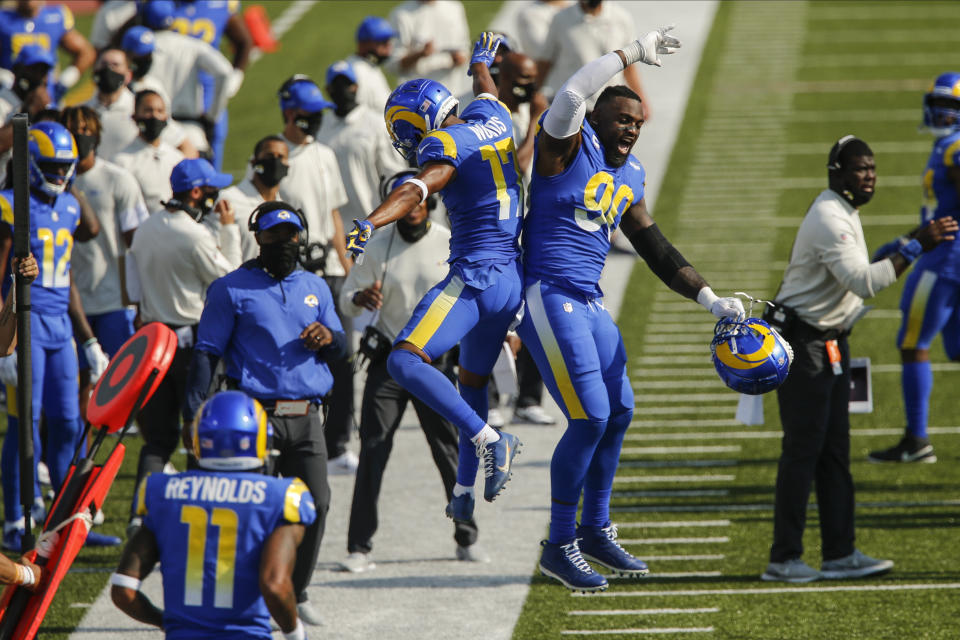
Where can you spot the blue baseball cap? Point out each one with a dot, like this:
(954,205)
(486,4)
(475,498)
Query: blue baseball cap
(278,216)
(138,42)
(341,68)
(157,14)
(197,172)
(303,93)
(34,54)
(376,29)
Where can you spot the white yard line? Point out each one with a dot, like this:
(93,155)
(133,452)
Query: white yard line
(671,524)
(641,612)
(640,631)
(776,590)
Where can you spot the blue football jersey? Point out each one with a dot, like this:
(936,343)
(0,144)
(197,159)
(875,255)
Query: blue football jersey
(51,242)
(572,216)
(205,20)
(46,30)
(210,528)
(940,199)
(484,200)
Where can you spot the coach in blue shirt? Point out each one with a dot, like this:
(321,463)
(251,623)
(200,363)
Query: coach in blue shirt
(275,326)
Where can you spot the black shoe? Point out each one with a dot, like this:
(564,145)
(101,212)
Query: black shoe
(909,449)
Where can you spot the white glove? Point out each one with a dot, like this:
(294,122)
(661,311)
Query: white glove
(720,307)
(8,369)
(648,48)
(96,358)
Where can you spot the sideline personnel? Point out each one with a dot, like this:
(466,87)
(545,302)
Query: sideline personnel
(821,296)
(275,326)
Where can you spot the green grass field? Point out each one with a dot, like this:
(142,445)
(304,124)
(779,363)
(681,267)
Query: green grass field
(778,83)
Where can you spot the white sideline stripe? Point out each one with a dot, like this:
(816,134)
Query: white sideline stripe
(919,146)
(698,346)
(672,493)
(653,411)
(850,16)
(670,524)
(870,60)
(685,574)
(640,612)
(895,368)
(723,477)
(719,508)
(737,184)
(691,372)
(284,23)
(678,360)
(687,397)
(774,590)
(643,631)
(673,384)
(763,435)
(709,540)
(686,558)
(685,423)
(671,464)
(875,35)
(665,450)
(792,222)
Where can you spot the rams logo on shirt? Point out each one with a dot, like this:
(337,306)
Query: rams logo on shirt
(311,301)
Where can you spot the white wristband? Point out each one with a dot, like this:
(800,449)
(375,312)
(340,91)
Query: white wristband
(24,575)
(122,580)
(69,76)
(298,632)
(707,297)
(424,191)
(633,52)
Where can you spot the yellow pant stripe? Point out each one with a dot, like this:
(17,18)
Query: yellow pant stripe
(541,324)
(436,313)
(918,307)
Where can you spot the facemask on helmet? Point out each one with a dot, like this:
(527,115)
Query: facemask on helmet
(750,356)
(53,157)
(414,109)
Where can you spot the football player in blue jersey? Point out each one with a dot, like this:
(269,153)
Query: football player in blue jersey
(471,161)
(931,297)
(210,20)
(54,219)
(225,534)
(585,185)
(30,22)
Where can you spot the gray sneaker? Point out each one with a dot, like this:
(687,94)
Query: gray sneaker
(472,553)
(855,565)
(309,615)
(358,562)
(795,571)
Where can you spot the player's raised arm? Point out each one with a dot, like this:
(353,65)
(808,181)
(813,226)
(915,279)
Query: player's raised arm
(670,266)
(484,52)
(560,138)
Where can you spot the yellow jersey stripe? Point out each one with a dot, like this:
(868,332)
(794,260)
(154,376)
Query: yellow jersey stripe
(291,500)
(6,211)
(449,144)
(142,496)
(436,313)
(558,367)
(918,306)
(948,153)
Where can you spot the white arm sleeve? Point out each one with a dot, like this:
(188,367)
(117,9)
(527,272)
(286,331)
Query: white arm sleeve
(569,105)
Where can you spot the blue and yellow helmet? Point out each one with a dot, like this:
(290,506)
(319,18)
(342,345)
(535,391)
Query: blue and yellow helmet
(750,356)
(414,109)
(231,433)
(53,157)
(943,119)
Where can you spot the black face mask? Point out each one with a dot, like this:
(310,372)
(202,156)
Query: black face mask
(375,59)
(141,66)
(412,232)
(309,125)
(206,205)
(25,85)
(85,144)
(280,258)
(344,97)
(271,170)
(151,128)
(108,80)
(523,92)
(593,4)
(856,198)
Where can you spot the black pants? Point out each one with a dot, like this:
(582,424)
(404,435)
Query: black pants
(340,408)
(303,454)
(528,380)
(384,402)
(814,412)
(159,420)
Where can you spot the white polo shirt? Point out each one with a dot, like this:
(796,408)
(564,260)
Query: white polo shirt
(176,61)
(174,260)
(830,272)
(445,23)
(576,38)
(118,128)
(372,86)
(245,198)
(151,166)
(115,195)
(111,15)
(314,185)
(364,154)
(532,26)
(411,269)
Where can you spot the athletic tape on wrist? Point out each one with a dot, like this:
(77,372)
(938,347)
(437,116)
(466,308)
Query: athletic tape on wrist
(424,191)
(633,52)
(121,580)
(25,575)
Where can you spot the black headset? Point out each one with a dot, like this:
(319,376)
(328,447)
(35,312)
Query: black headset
(284,91)
(833,161)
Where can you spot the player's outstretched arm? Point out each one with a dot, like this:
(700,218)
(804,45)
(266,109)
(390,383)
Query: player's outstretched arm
(138,559)
(484,52)
(276,571)
(401,201)
(670,266)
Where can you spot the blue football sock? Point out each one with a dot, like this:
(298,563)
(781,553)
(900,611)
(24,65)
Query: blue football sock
(563,522)
(917,381)
(596,507)
(603,467)
(432,387)
(568,469)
